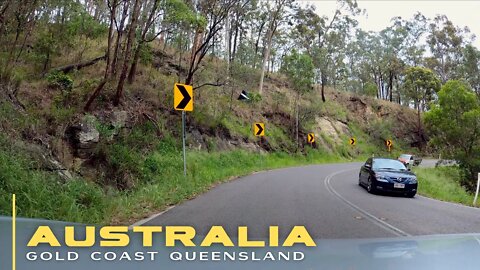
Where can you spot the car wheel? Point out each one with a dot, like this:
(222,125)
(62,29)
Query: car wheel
(411,194)
(370,187)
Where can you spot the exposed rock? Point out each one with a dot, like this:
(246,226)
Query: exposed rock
(331,128)
(224,145)
(360,107)
(341,127)
(83,136)
(195,140)
(45,160)
(325,126)
(115,121)
(118,119)
(249,146)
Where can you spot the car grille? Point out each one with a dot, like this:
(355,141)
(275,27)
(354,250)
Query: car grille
(398,179)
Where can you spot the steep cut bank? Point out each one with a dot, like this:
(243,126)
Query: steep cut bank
(117,164)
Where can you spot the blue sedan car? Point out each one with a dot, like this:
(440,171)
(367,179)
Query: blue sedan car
(390,175)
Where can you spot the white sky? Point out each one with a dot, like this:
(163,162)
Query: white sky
(379,12)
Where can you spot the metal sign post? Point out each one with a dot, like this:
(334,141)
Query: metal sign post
(183,101)
(184,135)
(476,193)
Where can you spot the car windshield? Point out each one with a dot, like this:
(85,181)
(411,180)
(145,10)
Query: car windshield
(405,156)
(388,164)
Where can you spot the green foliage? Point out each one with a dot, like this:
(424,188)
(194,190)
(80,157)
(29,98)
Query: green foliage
(254,97)
(84,24)
(446,41)
(60,80)
(334,110)
(471,67)
(421,84)
(381,130)
(45,47)
(454,124)
(146,54)
(178,12)
(370,89)
(299,70)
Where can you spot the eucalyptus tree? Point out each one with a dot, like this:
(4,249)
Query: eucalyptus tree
(414,30)
(471,67)
(299,69)
(421,85)
(277,15)
(393,46)
(215,12)
(159,17)
(446,42)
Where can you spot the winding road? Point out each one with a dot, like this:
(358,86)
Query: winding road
(324,198)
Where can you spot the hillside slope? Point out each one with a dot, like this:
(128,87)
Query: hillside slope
(118,164)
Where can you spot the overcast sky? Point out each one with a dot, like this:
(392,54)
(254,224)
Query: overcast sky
(379,12)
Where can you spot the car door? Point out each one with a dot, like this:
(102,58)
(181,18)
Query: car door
(365,171)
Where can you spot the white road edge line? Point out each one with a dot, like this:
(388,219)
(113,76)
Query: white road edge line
(451,203)
(143,221)
(372,218)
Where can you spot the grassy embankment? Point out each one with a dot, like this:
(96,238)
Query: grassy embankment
(442,183)
(41,194)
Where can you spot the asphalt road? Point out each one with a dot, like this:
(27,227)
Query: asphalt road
(324,198)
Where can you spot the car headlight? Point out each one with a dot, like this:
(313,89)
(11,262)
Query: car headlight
(381,178)
(412,181)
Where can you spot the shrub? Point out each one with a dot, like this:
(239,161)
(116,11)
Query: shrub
(60,80)
(370,89)
(255,97)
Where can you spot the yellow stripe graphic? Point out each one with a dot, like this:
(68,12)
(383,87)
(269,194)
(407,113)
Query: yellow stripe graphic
(14,216)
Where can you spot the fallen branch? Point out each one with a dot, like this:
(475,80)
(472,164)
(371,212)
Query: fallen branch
(155,123)
(209,84)
(78,66)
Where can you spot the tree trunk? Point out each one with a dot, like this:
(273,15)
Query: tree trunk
(265,61)
(296,121)
(390,86)
(94,95)
(195,46)
(323,82)
(141,43)
(256,44)
(107,74)
(128,54)
(118,43)
(133,67)
(235,39)
(109,40)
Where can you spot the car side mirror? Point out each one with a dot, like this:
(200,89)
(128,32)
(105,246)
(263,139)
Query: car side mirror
(368,166)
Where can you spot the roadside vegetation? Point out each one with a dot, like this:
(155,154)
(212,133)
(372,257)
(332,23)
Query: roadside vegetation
(158,181)
(443,183)
(88,129)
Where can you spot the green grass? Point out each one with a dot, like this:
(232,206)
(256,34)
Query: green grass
(159,180)
(442,183)
(42,194)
